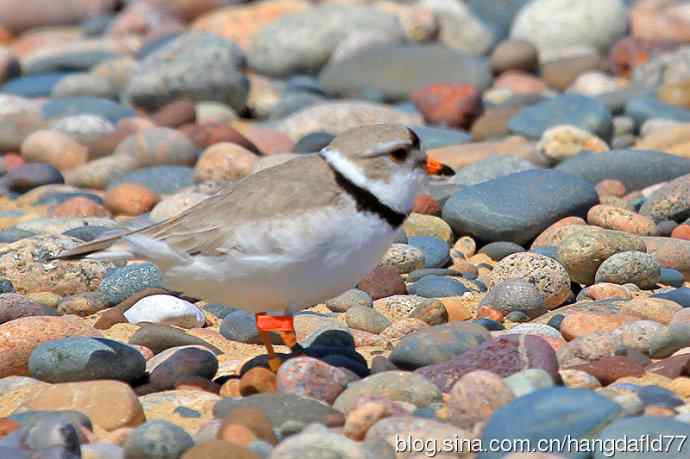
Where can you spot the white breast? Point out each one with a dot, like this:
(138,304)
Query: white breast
(287,264)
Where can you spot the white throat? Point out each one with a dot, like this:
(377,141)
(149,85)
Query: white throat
(398,193)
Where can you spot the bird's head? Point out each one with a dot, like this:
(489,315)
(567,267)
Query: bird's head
(385,159)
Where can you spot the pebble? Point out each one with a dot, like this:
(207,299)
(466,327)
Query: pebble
(382,282)
(417,427)
(636,268)
(564,141)
(507,208)
(637,425)
(348,299)
(309,377)
(637,335)
(82,358)
(636,169)
(582,413)
(528,381)
(157,439)
(513,295)
(130,199)
(159,179)
(14,306)
(179,363)
(514,54)
(540,23)
(54,148)
(19,338)
(351,75)
(437,344)
(669,340)
(504,356)
(427,225)
(475,398)
(393,385)
(319,441)
(582,112)
(121,283)
(110,405)
(452,105)
(437,287)
(546,274)
(584,250)
(367,319)
(405,258)
(224,161)
(165,309)
(279,407)
(615,218)
(159,337)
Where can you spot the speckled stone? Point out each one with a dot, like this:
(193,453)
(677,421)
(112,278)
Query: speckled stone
(475,397)
(657,309)
(585,249)
(637,335)
(403,258)
(348,299)
(122,283)
(157,439)
(394,385)
(515,295)
(636,268)
(547,274)
(309,377)
(366,319)
(615,218)
(669,340)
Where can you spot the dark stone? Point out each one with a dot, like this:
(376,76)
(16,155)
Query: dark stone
(437,344)
(80,105)
(434,249)
(501,249)
(570,108)
(680,295)
(240,326)
(437,287)
(87,233)
(645,107)
(159,337)
(489,324)
(159,179)
(13,235)
(674,432)
(637,169)
(580,414)
(671,277)
(32,175)
(81,358)
(33,85)
(518,207)
(382,282)
(312,143)
(555,321)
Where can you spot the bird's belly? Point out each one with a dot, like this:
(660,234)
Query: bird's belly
(307,272)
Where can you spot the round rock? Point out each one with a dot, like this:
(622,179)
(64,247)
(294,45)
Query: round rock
(166,309)
(82,359)
(636,268)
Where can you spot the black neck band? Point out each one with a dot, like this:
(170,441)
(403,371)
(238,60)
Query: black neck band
(367,202)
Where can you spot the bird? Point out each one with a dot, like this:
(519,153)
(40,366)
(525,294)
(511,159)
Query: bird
(290,236)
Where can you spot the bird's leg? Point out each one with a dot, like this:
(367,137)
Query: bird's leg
(284,325)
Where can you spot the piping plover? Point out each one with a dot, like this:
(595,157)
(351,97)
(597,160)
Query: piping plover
(290,236)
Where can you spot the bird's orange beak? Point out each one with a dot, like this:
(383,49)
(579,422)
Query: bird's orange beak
(434,167)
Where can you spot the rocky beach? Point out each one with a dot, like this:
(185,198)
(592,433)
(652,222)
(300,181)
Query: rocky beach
(536,305)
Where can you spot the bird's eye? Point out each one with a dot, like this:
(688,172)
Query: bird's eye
(398,155)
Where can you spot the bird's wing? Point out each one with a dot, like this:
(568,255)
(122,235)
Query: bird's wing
(207,227)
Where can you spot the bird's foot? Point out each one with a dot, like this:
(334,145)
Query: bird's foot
(284,325)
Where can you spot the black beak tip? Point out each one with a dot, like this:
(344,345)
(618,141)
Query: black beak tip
(447,171)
